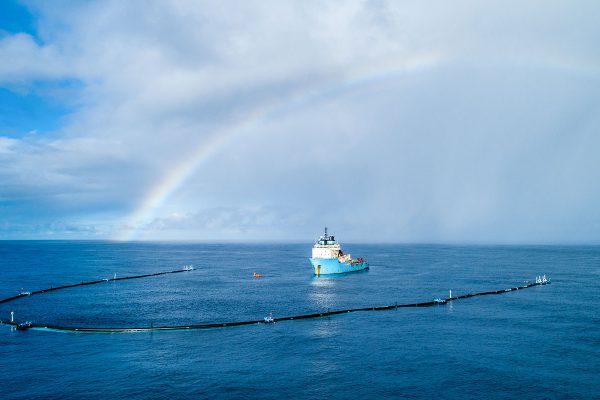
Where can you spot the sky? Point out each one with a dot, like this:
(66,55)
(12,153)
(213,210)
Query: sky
(387,121)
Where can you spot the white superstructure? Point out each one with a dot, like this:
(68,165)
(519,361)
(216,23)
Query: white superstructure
(327,247)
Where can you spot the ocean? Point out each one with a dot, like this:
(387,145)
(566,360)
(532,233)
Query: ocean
(538,343)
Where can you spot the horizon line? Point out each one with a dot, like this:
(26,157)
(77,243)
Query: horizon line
(351,242)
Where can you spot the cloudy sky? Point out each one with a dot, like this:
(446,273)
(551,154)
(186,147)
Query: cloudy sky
(395,121)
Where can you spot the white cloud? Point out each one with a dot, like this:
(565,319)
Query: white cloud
(434,121)
(24,60)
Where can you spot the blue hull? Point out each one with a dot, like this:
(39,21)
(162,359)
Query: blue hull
(326,266)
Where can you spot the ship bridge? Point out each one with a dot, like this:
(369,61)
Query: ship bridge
(326,239)
(326,247)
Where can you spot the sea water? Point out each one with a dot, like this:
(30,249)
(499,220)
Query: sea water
(538,343)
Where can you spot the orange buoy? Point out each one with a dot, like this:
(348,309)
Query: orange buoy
(255,275)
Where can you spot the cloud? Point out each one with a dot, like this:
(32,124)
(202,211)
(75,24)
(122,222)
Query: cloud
(26,61)
(418,122)
(227,224)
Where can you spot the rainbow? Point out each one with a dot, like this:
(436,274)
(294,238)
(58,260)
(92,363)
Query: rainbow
(179,174)
(158,195)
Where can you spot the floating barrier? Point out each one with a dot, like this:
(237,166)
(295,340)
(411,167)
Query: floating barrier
(51,289)
(266,320)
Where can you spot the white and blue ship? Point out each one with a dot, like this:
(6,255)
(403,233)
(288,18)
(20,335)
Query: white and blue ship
(328,258)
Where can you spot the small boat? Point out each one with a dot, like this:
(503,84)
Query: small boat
(24,326)
(542,280)
(105,279)
(256,275)
(439,301)
(269,318)
(24,293)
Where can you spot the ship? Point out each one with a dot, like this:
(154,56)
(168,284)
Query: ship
(328,258)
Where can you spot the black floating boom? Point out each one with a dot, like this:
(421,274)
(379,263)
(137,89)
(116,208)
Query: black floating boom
(29,325)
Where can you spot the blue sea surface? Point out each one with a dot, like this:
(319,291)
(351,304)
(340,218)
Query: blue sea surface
(539,343)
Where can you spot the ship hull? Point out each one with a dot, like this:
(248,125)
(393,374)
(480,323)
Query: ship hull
(327,266)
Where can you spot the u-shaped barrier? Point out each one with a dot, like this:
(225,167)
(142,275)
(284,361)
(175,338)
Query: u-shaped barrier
(266,320)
